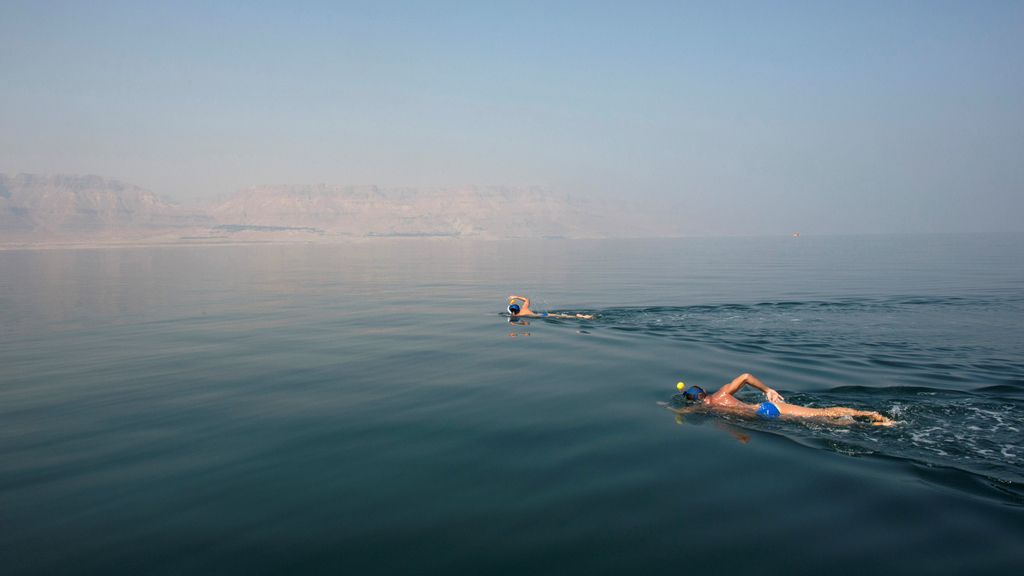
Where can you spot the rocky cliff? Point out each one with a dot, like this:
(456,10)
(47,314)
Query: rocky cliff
(474,211)
(63,208)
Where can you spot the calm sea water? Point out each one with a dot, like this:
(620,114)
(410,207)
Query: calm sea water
(366,409)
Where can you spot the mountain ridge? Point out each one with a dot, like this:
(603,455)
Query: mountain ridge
(61,208)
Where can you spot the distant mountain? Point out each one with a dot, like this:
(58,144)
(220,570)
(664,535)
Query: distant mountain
(471,211)
(61,208)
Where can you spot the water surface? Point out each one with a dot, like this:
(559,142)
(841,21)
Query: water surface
(365,408)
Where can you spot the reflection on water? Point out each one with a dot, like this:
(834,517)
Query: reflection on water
(366,408)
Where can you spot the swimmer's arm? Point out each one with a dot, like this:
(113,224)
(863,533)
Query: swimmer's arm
(526,301)
(736,433)
(685,409)
(738,382)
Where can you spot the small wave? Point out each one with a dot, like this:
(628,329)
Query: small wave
(964,342)
(1015,390)
(954,364)
(979,433)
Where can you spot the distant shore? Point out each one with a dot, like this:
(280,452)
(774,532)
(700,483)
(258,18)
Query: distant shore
(163,242)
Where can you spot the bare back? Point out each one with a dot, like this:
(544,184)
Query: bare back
(724,400)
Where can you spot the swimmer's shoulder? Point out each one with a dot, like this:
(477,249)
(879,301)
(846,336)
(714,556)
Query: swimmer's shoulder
(728,401)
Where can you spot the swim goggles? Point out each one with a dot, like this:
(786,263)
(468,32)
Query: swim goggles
(694,394)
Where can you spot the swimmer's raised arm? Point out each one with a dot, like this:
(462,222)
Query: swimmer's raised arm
(526,301)
(738,382)
(526,311)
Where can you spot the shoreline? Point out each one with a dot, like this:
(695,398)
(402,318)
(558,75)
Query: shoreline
(214,242)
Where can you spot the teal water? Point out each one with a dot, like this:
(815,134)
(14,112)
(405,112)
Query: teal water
(367,409)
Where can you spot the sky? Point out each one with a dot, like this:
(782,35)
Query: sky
(733,118)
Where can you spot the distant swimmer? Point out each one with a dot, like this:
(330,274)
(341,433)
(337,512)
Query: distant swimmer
(775,405)
(516,310)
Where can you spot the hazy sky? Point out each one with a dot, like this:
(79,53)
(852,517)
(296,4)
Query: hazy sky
(738,117)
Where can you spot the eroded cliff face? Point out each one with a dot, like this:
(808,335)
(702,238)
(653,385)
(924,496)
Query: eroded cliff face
(61,208)
(473,211)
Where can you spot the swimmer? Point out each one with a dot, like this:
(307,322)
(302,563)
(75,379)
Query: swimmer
(520,311)
(775,405)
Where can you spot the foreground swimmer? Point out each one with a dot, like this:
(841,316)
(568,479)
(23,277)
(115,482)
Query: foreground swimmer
(517,311)
(724,401)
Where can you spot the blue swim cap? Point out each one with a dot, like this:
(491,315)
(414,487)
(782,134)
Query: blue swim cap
(513,309)
(694,393)
(767,410)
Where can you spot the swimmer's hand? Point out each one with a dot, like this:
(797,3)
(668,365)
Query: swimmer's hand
(879,420)
(773,396)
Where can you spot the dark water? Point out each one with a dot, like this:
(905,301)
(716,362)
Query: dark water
(365,409)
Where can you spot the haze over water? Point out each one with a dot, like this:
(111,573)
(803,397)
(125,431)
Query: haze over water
(365,408)
(733,117)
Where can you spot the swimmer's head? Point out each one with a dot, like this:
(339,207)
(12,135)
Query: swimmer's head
(513,309)
(694,394)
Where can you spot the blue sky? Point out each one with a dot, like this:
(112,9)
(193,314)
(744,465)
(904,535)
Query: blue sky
(734,117)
